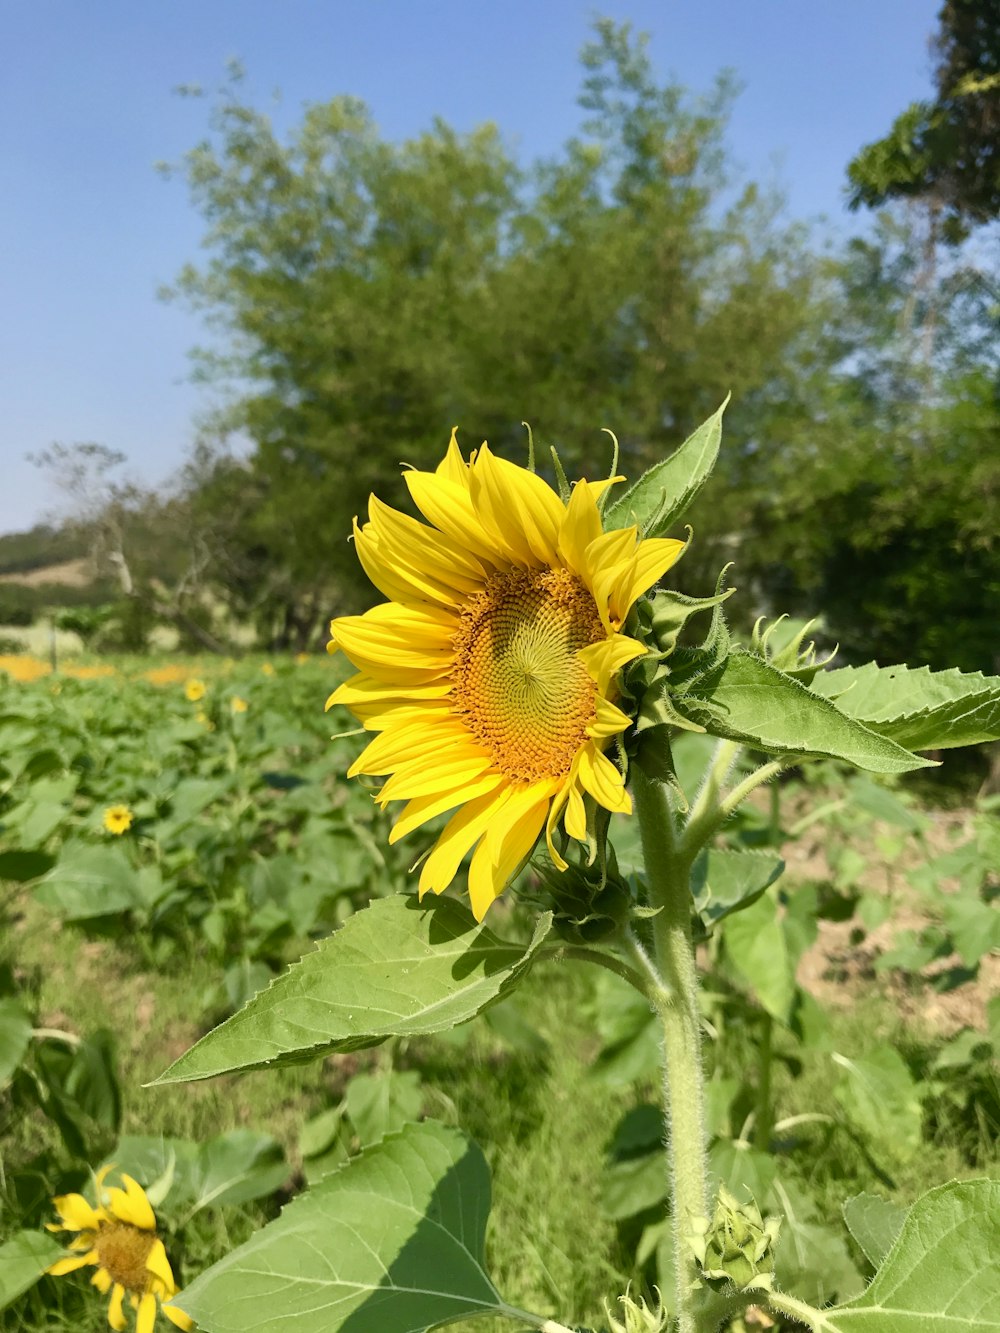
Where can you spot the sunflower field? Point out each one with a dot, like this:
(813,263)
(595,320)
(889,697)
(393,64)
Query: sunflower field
(240,1087)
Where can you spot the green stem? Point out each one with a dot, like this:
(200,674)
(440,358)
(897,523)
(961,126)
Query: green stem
(762,1122)
(813,1319)
(533,1320)
(706,818)
(581,954)
(668,874)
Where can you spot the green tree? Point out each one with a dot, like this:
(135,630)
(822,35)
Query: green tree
(369,295)
(945,152)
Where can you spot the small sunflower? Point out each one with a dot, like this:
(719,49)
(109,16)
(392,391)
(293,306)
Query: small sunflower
(118,1237)
(118,819)
(194,690)
(490,675)
(238,705)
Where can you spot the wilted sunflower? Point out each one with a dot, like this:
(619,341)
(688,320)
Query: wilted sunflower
(490,674)
(119,1238)
(118,819)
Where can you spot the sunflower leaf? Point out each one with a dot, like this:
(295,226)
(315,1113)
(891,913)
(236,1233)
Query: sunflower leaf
(392,1240)
(660,497)
(745,699)
(398,968)
(23,1260)
(916,707)
(940,1272)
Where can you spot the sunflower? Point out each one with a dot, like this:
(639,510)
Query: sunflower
(118,819)
(119,1238)
(194,690)
(490,674)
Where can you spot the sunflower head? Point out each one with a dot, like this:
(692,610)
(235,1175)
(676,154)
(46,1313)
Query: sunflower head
(490,675)
(118,819)
(118,1238)
(194,690)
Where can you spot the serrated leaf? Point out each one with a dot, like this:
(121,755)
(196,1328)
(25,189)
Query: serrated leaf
(397,968)
(23,1260)
(874,1223)
(942,1272)
(744,699)
(918,708)
(725,881)
(660,497)
(392,1240)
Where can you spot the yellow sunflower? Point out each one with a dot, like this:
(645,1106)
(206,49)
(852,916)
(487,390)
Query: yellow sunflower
(118,819)
(490,675)
(119,1238)
(194,690)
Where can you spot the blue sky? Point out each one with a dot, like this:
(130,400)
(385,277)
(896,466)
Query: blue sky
(89,231)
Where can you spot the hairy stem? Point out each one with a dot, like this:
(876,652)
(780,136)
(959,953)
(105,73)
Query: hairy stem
(667,874)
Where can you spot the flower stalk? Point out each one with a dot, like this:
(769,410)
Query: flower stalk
(668,868)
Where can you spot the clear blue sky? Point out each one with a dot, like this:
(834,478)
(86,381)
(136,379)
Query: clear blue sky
(89,231)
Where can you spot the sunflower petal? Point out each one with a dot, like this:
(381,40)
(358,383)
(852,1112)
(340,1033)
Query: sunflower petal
(76,1213)
(116,1317)
(69,1263)
(131,1205)
(177,1317)
(146,1315)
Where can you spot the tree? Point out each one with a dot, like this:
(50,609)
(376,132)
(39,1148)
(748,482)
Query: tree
(945,152)
(370,295)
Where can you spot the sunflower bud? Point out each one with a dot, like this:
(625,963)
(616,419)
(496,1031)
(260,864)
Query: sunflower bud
(639,1318)
(737,1246)
(791,657)
(589,903)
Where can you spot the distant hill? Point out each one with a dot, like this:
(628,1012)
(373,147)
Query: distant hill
(42,547)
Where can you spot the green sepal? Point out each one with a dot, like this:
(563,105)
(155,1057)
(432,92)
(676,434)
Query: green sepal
(670,611)
(660,497)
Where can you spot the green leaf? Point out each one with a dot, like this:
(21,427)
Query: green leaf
(918,708)
(392,1240)
(398,968)
(941,1274)
(378,1104)
(726,881)
(230,1168)
(874,1223)
(23,1260)
(660,497)
(236,1167)
(89,881)
(746,700)
(882,1099)
(757,949)
(15,1034)
(634,1185)
(21,866)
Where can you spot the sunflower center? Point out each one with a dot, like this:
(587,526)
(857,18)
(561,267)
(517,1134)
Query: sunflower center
(518,681)
(123,1250)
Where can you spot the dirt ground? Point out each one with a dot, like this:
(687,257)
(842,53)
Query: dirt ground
(839,969)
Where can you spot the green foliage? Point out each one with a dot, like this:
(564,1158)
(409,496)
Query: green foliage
(945,151)
(394,1237)
(352,992)
(953,1230)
